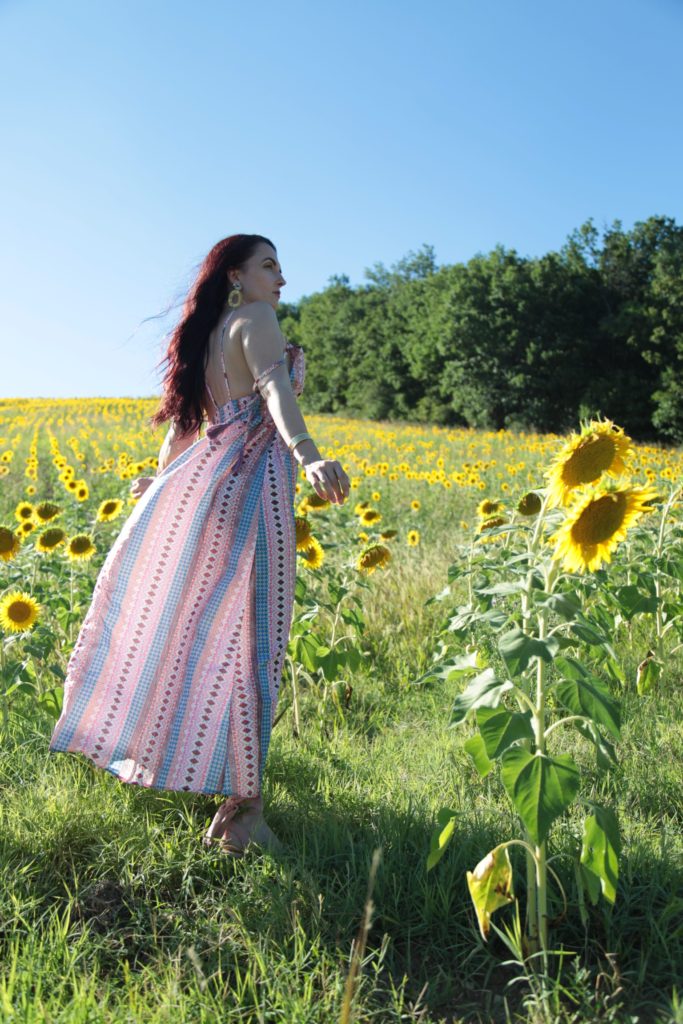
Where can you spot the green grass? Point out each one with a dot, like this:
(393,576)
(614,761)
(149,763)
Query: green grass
(111,909)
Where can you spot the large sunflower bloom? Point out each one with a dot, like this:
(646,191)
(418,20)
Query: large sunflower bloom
(601,447)
(18,612)
(596,523)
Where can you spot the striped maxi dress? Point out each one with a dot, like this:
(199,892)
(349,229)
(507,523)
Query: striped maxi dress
(174,678)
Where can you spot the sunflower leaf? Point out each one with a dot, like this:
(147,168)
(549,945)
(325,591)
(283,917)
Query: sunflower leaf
(501,728)
(605,754)
(441,836)
(485,690)
(476,748)
(600,850)
(633,601)
(517,649)
(589,697)
(540,787)
(490,886)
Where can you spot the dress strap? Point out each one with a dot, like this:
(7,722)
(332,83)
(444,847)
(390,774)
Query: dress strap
(261,376)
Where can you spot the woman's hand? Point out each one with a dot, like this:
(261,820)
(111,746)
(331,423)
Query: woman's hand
(328,480)
(140,485)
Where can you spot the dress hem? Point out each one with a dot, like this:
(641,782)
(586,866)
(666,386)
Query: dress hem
(148,785)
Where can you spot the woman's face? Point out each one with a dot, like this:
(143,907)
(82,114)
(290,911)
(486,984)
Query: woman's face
(261,276)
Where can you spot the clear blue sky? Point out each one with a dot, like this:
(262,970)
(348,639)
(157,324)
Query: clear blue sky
(137,133)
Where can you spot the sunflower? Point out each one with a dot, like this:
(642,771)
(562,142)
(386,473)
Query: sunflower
(376,496)
(24,512)
(529,504)
(313,555)
(360,507)
(413,538)
(10,543)
(18,612)
(488,524)
(601,447)
(50,539)
(370,516)
(415,504)
(597,522)
(45,511)
(109,510)
(303,532)
(489,507)
(363,537)
(376,556)
(388,534)
(312,503)
(80,548)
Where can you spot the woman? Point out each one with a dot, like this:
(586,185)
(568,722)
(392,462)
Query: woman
(173,681)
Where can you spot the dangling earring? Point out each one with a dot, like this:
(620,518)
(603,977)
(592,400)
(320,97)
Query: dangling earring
(235,296)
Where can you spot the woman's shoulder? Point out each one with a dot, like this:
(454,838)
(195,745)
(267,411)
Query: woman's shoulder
(259,309)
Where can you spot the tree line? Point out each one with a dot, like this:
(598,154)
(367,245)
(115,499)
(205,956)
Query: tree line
(505,341)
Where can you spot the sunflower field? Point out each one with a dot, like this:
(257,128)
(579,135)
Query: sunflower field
(475,766)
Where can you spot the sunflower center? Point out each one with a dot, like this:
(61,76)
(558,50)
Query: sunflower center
(600,520)
(19,611)
(589,460)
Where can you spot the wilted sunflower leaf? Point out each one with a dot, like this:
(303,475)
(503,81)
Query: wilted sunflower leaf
(490,886)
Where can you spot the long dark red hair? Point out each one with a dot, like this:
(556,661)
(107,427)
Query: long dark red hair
(186,355)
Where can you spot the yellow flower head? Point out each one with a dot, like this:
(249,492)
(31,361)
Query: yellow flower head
(488,524)
(109,510)
(24,511)
(415,504)
(597,522)
(489,507)
(315,503)
(370,516)
(601,447)
(387,534)
(10,543)
(51,538)
(413,538)
(45,511)
(303,532)
(376,556)
(313,555)
(80,548)
(18,612)
(529,504)
(360,507)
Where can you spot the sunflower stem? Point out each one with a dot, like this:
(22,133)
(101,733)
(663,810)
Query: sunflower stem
(5,699)
(539,732)
(659,618)
(295,698)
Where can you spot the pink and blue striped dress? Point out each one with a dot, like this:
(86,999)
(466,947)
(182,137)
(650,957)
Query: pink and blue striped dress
(174,678)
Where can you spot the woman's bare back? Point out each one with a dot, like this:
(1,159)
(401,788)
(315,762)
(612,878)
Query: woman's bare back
(240,379)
